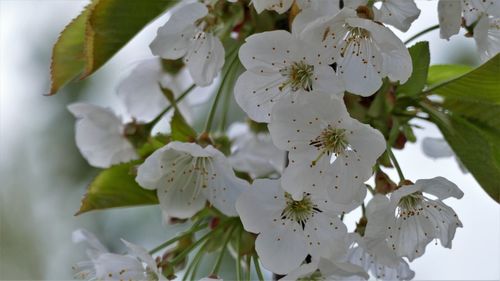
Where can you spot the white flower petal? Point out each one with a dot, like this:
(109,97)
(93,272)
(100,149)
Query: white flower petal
(367,142)
(205,58)
(224,187)
(280,249)
(325,236)
(142,254)
(293,125)
(257,94)
(449,12)
(270,198)
(173,38)
(99,136)
(96,248)
(119,267)
(440,187)
(141,93)
(267,50)
(398,13)
(396,60)
(487,37)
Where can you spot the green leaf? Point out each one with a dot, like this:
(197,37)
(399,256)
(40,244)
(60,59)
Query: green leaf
(445,72)
(479,85)
(181,131)
(478,147)
(68,58)
(113,23)
(116,187)
(420,57)
(475,94)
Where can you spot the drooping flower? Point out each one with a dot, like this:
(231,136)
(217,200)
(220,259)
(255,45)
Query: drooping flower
(101,136)
(410,220)
(141,92)
(254,153)
(279,64)
(103,265)
(187,35)
(365,51)
(487,36)
(186,175)
(328,149)
(289,230)
(374,255)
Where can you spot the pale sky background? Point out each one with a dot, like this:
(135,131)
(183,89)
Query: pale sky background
(40,209)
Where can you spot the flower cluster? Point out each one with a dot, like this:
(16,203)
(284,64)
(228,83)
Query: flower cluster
(275,189)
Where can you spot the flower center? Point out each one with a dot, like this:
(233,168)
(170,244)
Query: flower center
(300,76)
(353,41)
(299,211)
(330,141)
(409,205)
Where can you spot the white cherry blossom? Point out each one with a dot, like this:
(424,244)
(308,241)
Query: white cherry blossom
(103,265)
(186,175)
(410,220)
(289,230)
(328,149)
(279,64)
(365,51)
(186,35)
(254,153)
(374,255)
(100,136)
(141,93)
(487,36)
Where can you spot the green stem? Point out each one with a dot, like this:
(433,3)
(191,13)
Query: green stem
(257,267)
(249,271)
(197,226)
(396,164)
(193,267)
(191,247)
(213,108)
(218,262)
(363,209)
(434,27)
(180,98)
(392,138)
(370,189)
(238,258)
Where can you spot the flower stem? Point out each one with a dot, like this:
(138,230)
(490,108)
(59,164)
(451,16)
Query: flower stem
(238,256)
(434,27)
(395,163)
(257,267)
(208,125)
(190,273)
(249,271)
(151,124)
(218,262)
(392,138)
(193,229)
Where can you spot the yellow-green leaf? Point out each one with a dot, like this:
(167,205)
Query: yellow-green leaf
(113,23)
(68,59)
(116,187)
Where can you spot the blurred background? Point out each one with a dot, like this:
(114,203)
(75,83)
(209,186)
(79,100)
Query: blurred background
(43,176)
